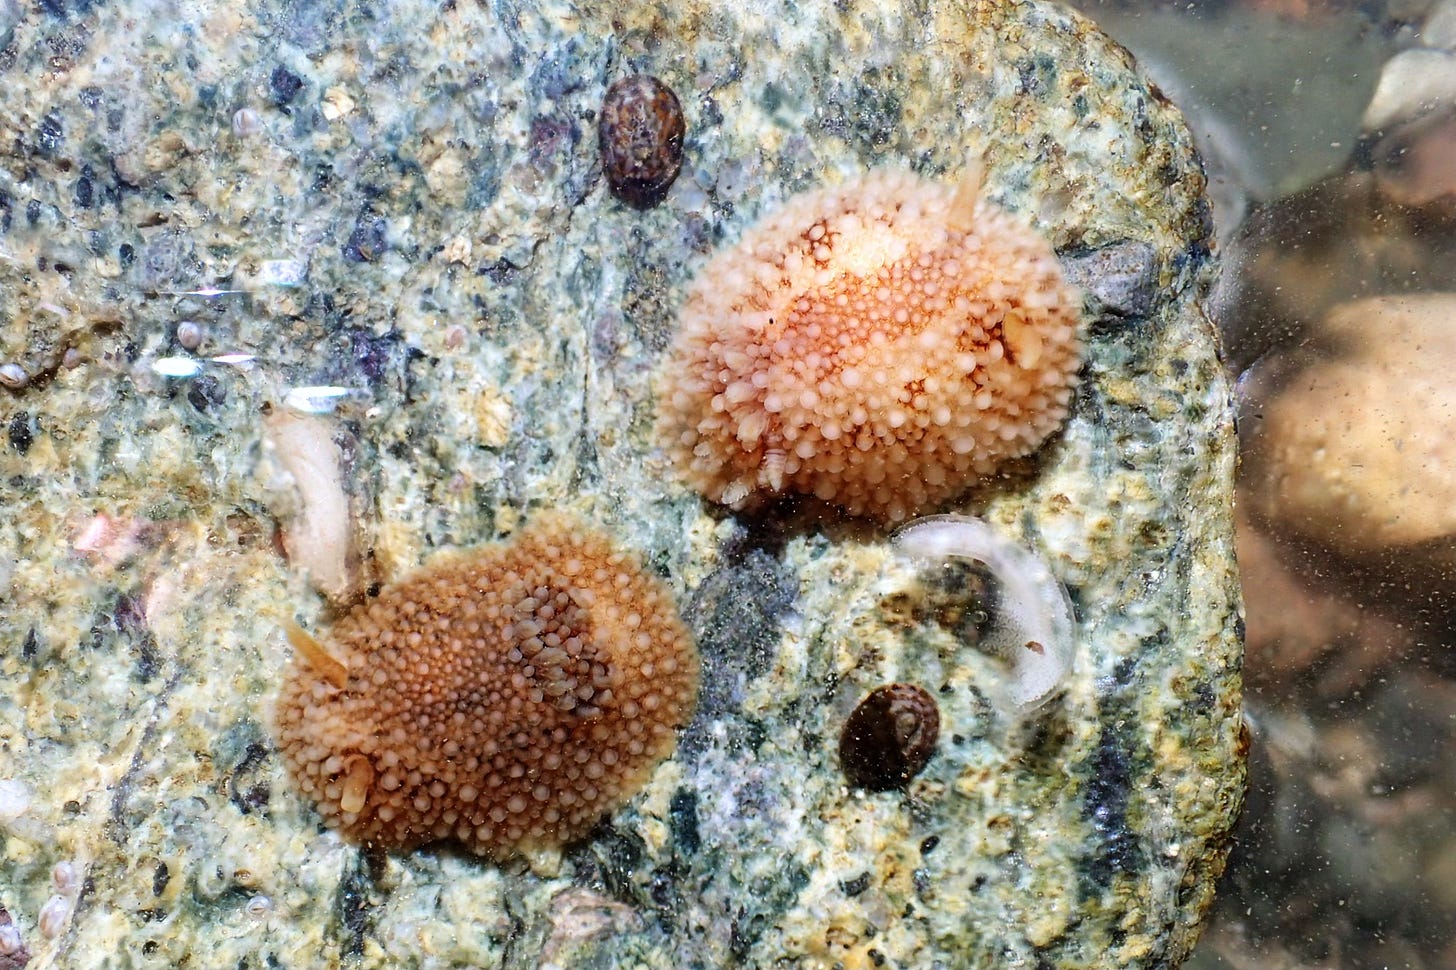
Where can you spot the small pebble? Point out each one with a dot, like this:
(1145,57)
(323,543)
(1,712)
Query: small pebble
(1411,84)
(21,435)
(71,359)
(283,85)
(51,136)
(455,337)
(14,376)
(66,878)
(1122,276)
(206,393)
(189,335)
(641,132)
(53,916)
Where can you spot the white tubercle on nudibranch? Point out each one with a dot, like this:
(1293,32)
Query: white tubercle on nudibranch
(1033,630)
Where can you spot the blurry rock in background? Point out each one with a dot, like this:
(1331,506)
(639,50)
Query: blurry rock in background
(1349,441)
(1294,260)
(1329,131)
(1410,123)
(1305,633)
(1346,857)
(1385,224)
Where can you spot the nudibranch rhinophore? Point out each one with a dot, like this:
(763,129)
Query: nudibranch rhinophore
(505,698)
(880,344)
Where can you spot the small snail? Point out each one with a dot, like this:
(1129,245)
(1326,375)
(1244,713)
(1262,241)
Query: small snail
(889,737)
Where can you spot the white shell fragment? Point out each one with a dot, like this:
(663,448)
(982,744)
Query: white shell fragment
(10,941)
(53,916)
(176,367)
(13,376)
(318,399)
(282,272)
(1034,629)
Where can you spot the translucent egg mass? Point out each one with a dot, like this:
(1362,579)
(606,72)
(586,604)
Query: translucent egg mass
(992,595)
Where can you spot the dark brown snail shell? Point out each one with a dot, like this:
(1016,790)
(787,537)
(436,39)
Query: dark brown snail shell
(641,132)
(889,737)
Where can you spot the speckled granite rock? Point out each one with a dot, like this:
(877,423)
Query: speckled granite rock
(406,203)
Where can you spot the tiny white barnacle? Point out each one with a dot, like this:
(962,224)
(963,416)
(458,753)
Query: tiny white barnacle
(53,916)
(1035,630)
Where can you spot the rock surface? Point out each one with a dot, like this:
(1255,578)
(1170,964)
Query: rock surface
(396,214)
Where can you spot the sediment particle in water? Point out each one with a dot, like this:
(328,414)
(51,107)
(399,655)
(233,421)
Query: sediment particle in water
(641,131)
(881,344)
(505,698)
